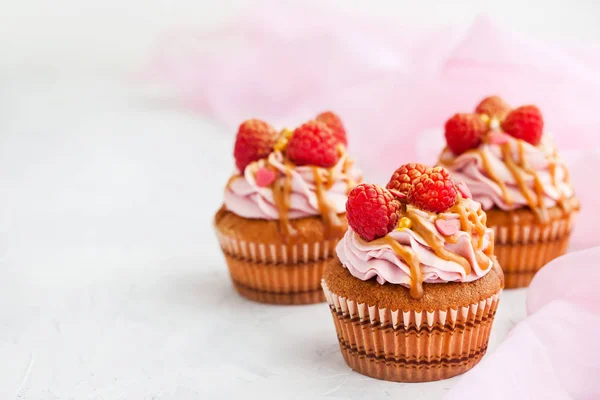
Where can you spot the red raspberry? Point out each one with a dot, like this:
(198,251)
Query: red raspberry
(335,124)
(313,144)
(404,177)
(493,106)
(464,132)
(255,140)
(525,123)
(433,191)
(371,211)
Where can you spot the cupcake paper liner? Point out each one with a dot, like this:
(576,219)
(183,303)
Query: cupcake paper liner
(277,273)
(522,250)
(411,346)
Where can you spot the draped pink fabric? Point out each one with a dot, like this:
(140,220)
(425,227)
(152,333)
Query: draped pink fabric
(394,87)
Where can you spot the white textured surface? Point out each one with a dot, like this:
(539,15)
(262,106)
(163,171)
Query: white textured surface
(112,283)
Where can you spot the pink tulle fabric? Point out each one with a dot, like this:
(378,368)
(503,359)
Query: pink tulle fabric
(394,87)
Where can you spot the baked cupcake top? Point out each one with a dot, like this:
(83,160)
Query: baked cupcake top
(289,174)
(422,228)
(506,159)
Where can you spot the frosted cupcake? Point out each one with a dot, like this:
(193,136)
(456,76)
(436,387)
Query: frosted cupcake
(414,289)
(283,210)
(513,169)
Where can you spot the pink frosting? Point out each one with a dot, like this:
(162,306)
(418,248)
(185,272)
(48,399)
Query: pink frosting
(468,167)
(366,260)
(246,198)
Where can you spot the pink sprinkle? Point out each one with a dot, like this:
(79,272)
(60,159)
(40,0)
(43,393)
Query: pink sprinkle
(398,194)
(447,227)
(265,176)
(464,190)
(497,137)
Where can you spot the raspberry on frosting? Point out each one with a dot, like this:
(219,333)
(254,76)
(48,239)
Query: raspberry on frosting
(433,191)
(493,107)
(313,143)
(371,211)
(254,140)
(464,132)
(335,124)
(404,177)
(525,123)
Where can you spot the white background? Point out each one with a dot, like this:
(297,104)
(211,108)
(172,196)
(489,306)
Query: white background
(112,283)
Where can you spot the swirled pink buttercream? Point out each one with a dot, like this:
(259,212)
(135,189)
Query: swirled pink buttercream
(366,260)
(542,159)
(244,197)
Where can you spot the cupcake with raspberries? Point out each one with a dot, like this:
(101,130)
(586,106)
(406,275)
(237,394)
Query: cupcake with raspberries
(415,285)
(283,210)
(513,169)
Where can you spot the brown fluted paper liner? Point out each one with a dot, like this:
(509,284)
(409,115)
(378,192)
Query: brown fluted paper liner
(523,249)
(277,273)
(410,346)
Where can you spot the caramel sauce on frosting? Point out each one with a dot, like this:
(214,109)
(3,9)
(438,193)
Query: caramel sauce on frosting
(523,174)
(333,224)
(324,180)
(471,221)
(490,172)
(411,259)
(348,163)
(281,195)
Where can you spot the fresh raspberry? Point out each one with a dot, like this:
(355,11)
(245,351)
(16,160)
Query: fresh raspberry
(433,191)
(525,123)
(255,140)
(464,132)
(371,211)
(335,124)
(404,177)
(313,143)
(493,106)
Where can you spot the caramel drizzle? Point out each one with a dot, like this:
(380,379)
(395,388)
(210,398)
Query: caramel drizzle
(324,181)
(437,244)
(350,182)
(281,196)
(513,167)
(562,201)
(472,222)
(411,259)
(517,168)
(231,179)
(488,170)
(333,224)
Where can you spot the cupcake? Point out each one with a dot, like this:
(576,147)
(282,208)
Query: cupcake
(283,211)
(513,169)
(414,289)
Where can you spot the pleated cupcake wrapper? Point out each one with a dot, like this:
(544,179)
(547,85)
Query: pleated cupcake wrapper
(411,346)
(534,233)
(277,273)
(275,253)
(522,250)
